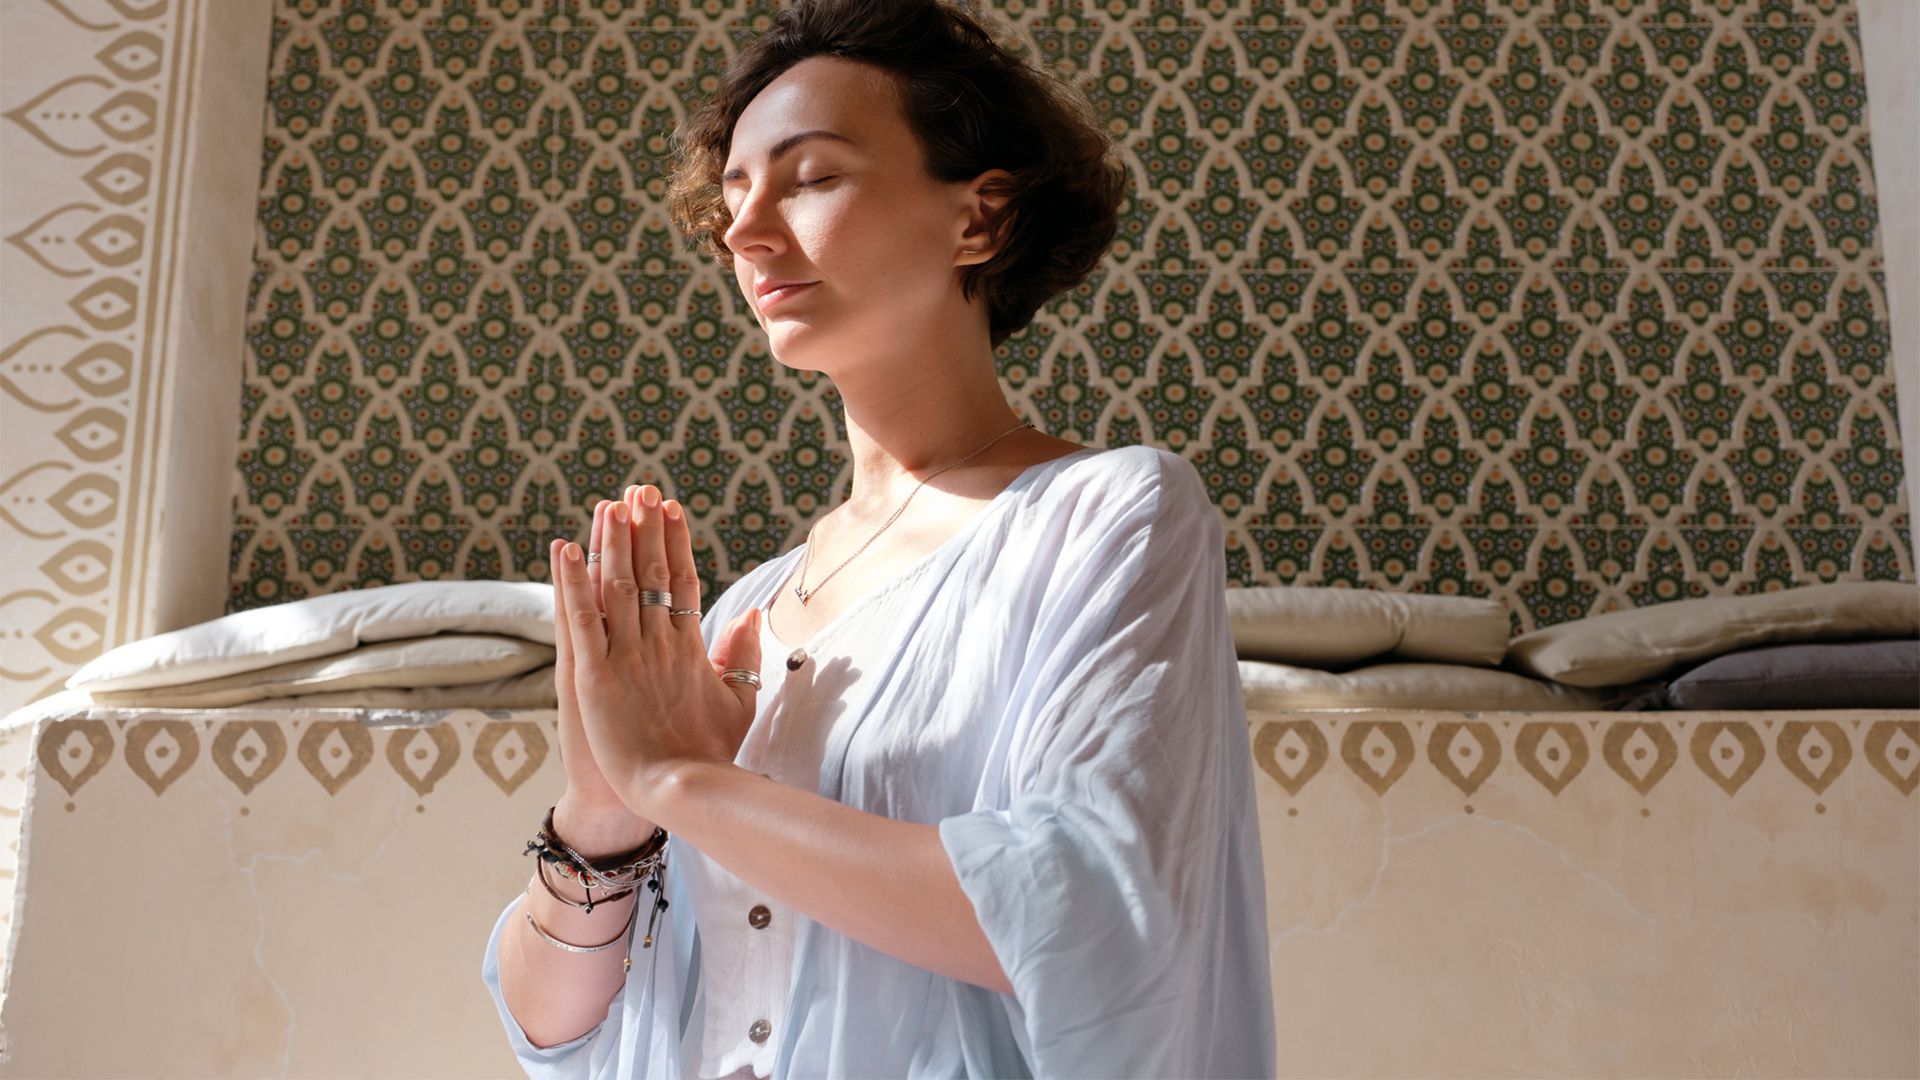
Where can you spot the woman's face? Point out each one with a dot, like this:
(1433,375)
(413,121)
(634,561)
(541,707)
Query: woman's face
(851,211)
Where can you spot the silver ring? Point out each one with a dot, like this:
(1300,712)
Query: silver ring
(693,611)
(593,557)
(741,675)
(656,597)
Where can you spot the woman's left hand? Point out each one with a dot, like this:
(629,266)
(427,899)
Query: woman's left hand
(651,699)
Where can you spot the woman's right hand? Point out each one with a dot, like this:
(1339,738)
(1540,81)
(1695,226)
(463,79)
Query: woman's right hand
(590,800)
(588,795)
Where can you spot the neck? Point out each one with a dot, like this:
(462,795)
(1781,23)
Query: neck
(912,428)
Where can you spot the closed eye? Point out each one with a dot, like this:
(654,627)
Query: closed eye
(801,184)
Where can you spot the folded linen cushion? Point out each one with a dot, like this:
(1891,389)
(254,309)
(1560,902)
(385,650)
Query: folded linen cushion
(529,690)
(1326,626)
(1267,685)
(1875,674)
(1645,642)
(437,660)
(322,626)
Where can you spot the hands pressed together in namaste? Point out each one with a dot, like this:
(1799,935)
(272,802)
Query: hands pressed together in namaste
(639,695)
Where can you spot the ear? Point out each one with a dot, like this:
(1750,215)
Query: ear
(984,201)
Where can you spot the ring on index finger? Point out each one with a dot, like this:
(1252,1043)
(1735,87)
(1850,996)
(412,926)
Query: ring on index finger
(594,558)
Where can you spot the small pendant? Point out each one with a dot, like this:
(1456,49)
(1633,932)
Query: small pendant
(795,659)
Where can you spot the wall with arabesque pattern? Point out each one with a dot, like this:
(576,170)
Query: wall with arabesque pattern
(129,136)
(1575,304)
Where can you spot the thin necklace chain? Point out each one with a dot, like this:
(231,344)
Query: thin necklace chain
(805,594)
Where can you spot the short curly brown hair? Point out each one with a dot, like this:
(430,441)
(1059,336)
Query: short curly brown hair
(973,105)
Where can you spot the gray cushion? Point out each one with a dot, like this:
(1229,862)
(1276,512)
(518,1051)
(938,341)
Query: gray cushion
(1651,642)
(1870,674)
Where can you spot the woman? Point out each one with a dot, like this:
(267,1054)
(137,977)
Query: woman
(988,810)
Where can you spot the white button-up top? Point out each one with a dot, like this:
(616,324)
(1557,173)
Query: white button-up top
(747,937)
(1056,689)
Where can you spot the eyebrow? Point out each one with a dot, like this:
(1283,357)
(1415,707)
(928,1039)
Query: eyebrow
(784,145)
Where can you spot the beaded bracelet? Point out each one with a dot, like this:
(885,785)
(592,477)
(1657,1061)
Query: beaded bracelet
(646,862)
(625,868)
(586,906)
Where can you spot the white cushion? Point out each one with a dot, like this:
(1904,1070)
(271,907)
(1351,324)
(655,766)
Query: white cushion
(1644,642)
(1271,686)
(322,626)
(1325,626)
(529,690)
(440,660)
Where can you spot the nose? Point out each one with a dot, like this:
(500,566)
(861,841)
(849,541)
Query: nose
(756,223)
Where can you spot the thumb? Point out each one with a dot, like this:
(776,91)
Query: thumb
(739,647)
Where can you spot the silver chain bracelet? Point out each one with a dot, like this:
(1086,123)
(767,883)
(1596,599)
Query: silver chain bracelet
(626,932)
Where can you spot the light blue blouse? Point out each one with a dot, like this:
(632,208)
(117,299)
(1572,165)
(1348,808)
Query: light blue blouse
(1064,702)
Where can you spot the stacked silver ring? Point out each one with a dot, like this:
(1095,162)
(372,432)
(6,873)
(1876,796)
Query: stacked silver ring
(658,597)
(664,598)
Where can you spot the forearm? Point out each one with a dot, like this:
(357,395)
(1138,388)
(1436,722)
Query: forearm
(885,883)
(558,995)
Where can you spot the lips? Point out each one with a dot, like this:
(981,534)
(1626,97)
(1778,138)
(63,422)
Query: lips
(775,295)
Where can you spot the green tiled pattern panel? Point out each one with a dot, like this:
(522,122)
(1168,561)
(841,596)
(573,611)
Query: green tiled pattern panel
(1576,304)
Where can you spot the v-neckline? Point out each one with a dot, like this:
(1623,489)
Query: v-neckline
(959,538)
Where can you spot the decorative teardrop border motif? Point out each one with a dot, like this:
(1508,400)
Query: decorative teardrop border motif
(1555,752)
(332,753)
(1552,752)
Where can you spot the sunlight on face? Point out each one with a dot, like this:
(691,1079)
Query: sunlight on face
(852,211)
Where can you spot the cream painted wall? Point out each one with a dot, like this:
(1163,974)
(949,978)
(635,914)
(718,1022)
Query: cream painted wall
(1561,894)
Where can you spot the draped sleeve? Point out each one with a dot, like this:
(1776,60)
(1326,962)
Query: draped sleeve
(575,1059)
(646,1022)
(1115,863)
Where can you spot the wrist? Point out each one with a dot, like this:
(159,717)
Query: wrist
(597,835)
(541,896)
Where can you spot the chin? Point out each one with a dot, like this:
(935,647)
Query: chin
(796,355)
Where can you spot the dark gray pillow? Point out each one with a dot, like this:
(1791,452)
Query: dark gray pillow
(1869,674)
